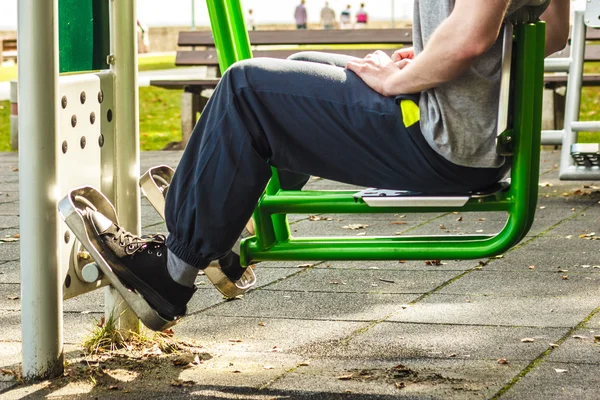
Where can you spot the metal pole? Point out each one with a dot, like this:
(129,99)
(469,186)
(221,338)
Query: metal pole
(126,150)
(41,280)
(573,96)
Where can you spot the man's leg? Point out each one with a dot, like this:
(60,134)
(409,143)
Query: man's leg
(305,117)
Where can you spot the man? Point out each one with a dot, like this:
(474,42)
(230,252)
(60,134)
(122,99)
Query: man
(346,119)
(300,15)
(327,17)
(346,18)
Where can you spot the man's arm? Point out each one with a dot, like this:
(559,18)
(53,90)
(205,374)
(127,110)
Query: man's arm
(470,30)
(557,25)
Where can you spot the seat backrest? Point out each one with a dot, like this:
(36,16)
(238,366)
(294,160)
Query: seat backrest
(528,12)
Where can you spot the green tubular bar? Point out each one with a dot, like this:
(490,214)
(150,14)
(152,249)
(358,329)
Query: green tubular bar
(273,240)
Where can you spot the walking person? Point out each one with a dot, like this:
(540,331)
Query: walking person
(361,17)
(346,18)
(327,17)
(423,120)
(250,21)
(300,15)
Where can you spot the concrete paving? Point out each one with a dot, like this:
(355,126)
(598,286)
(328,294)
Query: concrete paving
(525,325)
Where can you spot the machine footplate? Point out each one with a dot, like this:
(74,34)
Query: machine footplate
(404,198)
(73,209)
(226,286)
(586,155)
(155,184)
(401,198)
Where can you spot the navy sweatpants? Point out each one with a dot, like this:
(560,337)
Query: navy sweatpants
(305,116)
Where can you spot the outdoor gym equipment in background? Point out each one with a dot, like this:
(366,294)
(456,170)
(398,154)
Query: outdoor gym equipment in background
(80,131)
(578,161)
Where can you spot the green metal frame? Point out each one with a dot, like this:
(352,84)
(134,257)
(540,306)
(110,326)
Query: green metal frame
(273,240)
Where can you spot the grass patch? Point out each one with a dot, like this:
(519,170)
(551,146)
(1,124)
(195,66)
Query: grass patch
(5,125)
(149,63)
(153,63)
(8,73)
(160,115)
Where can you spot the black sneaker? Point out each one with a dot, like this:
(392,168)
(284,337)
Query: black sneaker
(141,264)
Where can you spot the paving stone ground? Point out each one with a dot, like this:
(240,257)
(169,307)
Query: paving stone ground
(365,330)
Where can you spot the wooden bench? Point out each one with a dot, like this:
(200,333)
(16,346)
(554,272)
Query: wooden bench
(8,50)
(273,44)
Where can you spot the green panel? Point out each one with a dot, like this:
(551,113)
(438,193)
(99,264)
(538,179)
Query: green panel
(84,36)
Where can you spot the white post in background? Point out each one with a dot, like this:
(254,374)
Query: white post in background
(393,14)
(193,15)
(126,144)
(41,280)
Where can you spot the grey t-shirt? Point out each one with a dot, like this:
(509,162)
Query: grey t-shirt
(459,118)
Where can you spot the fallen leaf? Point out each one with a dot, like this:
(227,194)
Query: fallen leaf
(184,359)
(532,267)
(503,361)
(399,223)
(452,355)
(459,219)
(579,337)
(560,371)
(304,363)
(542,207)
(261,324)
(334,283)
(7,371)
(443,226)
(527,340)
(554,345)
(437,263)
(597,339)
(345,377)
(236,371)
(236,340)
(9,239)
(386,280)
(304,266)
(113,387)
(13,297)
(565,277)
(479,231)
(268,367)
(481,219)
(355,227)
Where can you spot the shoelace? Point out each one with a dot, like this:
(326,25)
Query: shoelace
(133,243)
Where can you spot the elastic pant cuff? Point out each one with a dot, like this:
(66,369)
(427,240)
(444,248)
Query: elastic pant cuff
(183,253)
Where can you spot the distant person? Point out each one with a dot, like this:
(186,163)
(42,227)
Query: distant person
(143,38)
(361,17)
(346,18)
(327,17)
(300,15)
(250,22)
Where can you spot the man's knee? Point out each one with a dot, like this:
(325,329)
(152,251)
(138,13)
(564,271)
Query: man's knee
(303,56)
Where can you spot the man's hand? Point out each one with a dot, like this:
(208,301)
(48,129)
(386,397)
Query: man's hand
(407,53)
(375,69)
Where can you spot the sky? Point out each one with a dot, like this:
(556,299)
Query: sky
(178,12)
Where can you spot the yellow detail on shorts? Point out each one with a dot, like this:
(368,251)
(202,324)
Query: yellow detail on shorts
(410,112)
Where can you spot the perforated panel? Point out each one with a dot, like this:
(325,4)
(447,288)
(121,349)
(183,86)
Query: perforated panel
(86,111)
